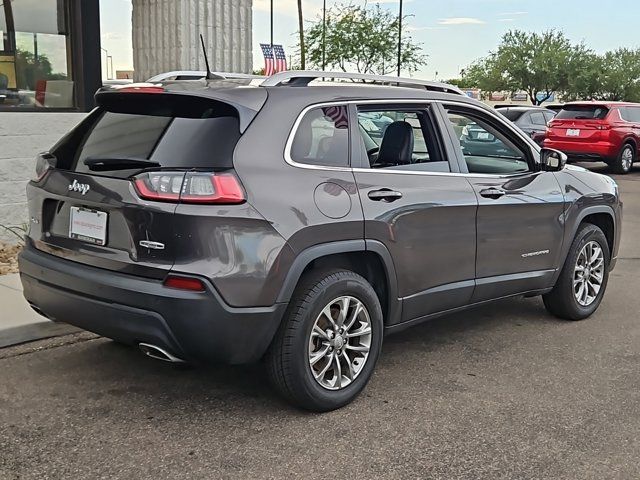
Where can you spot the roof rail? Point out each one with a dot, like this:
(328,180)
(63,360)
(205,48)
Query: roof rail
(302,78)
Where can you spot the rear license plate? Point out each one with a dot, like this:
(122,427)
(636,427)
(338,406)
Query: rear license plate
(88,225)
(573,132)
(483,136)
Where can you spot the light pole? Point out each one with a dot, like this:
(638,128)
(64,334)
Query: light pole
(271,25)
(400,39)
(324,33)
(106,60)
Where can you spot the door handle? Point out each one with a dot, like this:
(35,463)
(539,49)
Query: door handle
(384,195)
(492,193)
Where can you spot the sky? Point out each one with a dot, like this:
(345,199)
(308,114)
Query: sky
(453,33)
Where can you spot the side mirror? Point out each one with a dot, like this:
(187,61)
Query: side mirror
(552,160)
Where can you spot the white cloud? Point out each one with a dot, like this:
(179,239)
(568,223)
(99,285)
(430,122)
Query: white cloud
(507,20)
(461,21)
(309,7)
(512,14)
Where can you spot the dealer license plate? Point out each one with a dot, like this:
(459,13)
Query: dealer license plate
(88,225)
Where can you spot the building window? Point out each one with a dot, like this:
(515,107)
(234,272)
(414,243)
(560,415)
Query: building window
(34,55)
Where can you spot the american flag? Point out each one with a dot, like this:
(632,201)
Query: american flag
(269,63)
(281,58)
(275,59)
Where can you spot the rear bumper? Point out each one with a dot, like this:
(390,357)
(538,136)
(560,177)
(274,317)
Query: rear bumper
(197,327)
(584,151)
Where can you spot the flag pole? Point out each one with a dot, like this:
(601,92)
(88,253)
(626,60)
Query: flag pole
(271,23)
(400,39)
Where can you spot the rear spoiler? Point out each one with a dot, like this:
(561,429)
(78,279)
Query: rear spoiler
(192,103)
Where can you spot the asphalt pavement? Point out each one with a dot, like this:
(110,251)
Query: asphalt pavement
(499,392)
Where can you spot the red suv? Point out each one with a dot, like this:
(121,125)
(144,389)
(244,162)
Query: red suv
(597,131)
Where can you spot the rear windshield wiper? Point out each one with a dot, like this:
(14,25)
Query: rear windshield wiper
(105,164)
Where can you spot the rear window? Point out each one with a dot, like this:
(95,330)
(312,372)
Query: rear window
(583,112)
(512,115)
(203,137)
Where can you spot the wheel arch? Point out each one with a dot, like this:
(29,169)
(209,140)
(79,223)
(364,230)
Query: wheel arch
(368,258)
(599,215)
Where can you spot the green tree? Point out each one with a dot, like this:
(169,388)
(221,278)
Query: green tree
(585,72)
(620,78)
(533,62)
(364,38)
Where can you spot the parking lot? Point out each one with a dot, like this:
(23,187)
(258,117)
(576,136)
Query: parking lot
(501,391)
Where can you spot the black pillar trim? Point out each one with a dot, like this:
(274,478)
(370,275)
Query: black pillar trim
(84,23)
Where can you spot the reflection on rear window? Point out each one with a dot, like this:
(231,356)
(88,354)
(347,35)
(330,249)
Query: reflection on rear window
(512,115)
(583,112)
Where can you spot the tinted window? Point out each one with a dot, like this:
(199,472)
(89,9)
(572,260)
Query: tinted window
(630,114)
(548,116)
(485,148)
(583,112)
(400,139)
(512,115)
(173,142)
(322,137)
(537,118)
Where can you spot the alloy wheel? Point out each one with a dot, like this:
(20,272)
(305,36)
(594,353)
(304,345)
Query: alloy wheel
(588,274)
(340,342)
(627,158)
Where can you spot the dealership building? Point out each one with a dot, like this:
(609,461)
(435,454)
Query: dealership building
(50,67)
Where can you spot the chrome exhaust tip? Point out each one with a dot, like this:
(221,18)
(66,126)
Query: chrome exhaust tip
(158,353)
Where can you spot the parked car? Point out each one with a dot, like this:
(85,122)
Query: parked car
(531,120)
(598,131)
(218,222)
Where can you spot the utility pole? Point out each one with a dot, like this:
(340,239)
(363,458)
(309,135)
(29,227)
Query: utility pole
(400,39)
(324,34)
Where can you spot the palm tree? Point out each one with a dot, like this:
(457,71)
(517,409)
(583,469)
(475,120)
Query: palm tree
(301,28)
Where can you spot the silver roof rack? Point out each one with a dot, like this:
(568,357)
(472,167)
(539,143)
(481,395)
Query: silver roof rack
(302,78)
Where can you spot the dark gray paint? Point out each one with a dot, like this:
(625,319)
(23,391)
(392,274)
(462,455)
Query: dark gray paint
(442,245)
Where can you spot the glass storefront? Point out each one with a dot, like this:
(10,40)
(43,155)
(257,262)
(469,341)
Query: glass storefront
(35,55)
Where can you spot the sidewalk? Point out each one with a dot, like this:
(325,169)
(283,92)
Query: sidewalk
(18,322)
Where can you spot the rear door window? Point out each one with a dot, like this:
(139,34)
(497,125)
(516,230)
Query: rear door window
(322,137)
(537,118)
(633,114)
(583,112)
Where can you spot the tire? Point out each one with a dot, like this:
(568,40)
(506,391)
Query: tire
(563,300)
(290,355)
(623,163)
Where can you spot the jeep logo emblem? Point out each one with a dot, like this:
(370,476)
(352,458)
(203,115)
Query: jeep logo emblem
(82,188)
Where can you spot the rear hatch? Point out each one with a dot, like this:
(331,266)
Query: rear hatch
(584,123)
(116,180)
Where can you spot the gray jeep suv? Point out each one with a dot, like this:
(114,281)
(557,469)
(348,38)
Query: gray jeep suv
(223,221)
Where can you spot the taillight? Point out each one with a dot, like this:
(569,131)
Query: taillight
(44,163)
(603,127)
(190,187)
(184,283)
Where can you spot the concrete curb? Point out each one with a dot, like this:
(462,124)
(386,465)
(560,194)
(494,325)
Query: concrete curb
(32,332)
(18,322)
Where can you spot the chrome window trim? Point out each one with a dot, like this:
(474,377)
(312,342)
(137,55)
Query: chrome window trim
(495,115)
